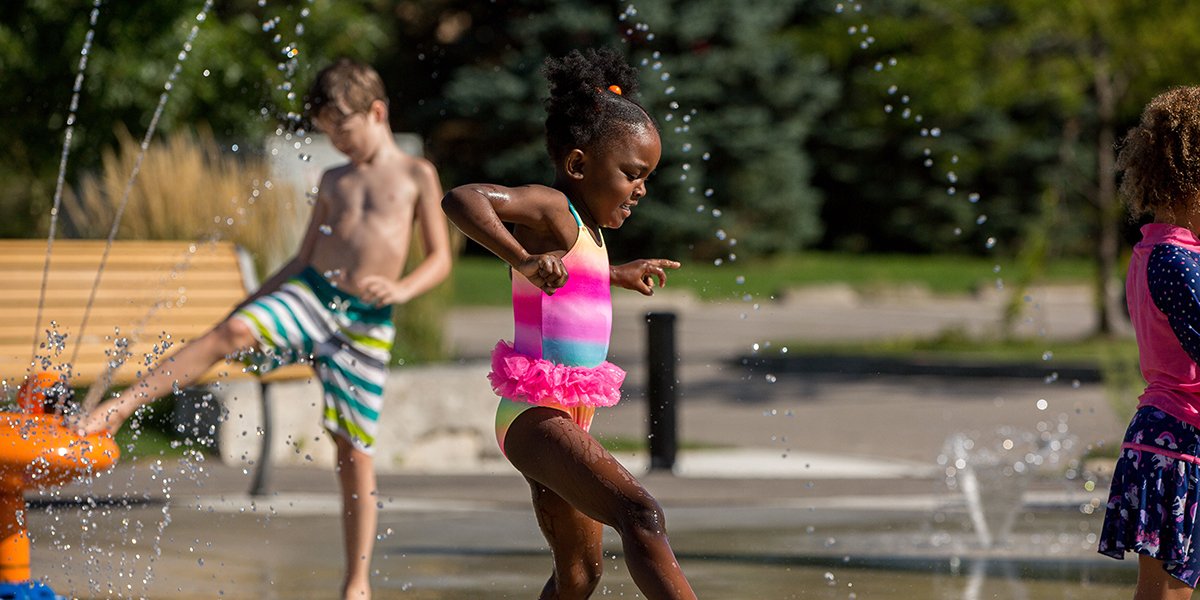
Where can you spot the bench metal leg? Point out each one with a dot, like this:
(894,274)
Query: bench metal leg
(261,484)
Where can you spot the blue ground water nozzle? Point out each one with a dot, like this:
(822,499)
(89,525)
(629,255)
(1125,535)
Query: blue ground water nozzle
(28,590)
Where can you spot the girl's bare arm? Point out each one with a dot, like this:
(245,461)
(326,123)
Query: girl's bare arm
(480,210)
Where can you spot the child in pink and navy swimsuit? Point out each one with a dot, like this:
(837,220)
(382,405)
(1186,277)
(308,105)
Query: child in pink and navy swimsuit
(554,375)
(1156,484)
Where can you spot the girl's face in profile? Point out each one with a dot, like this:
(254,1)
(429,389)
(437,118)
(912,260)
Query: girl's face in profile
(614,178)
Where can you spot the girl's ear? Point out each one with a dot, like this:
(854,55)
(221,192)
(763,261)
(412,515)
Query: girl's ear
(573,163)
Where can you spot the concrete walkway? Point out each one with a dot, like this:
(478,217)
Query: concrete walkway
(789,485)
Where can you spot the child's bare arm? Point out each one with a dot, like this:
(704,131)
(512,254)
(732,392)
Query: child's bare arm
(481,210)
(640,274)
(302,258)
(435,240)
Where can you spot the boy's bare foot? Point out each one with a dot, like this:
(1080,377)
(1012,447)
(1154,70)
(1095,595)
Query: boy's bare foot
(356,591)
(107,418)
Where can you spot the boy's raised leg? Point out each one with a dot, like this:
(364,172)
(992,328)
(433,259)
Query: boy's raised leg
(360,516)
(176,371)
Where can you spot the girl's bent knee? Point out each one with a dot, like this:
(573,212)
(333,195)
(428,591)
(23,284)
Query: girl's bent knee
(579,581)
(644,516)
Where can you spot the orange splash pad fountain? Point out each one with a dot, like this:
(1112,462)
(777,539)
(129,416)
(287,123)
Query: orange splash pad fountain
(36,452)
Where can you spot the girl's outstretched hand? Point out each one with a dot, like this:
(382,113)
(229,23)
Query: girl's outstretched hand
(640,274)
(545,271)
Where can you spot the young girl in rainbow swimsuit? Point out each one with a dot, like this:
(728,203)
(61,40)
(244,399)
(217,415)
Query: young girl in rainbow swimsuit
(1156,484)
(554,375)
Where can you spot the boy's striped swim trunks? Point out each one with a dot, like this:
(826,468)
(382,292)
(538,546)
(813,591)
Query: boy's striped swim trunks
(349,342)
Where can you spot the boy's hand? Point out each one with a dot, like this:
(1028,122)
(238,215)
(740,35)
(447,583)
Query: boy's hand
(381,291)
(640,274)
(545,271)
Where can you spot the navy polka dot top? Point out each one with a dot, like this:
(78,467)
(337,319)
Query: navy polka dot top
(1163,290)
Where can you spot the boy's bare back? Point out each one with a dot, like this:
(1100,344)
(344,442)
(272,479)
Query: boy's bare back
(365,216)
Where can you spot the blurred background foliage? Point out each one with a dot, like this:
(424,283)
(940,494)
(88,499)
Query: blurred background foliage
(864,131)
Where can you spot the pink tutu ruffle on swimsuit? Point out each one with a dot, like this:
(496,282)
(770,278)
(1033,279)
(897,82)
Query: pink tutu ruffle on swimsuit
(539,381)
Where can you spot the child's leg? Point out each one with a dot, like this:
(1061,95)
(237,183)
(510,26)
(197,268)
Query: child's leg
(360,516)
(180,369)
(1154,583)
(549,448)
(575,541)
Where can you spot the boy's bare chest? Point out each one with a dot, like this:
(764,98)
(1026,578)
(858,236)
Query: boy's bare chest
(358,198)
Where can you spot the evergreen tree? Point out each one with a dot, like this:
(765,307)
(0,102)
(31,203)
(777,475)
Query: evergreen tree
(734,103)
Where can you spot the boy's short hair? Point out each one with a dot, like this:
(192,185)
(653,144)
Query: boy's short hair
(348,86)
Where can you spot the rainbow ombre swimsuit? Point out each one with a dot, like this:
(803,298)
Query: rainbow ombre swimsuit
(557,358)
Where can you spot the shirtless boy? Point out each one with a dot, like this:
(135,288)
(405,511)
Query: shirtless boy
(330,305)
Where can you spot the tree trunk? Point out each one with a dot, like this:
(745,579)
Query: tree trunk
(1108,211)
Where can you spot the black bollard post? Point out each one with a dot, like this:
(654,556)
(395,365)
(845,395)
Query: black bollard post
(661,388)
(261,484)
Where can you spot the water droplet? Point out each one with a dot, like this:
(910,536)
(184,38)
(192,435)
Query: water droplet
(981,219)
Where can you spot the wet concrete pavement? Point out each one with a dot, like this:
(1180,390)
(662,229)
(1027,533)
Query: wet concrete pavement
(808,486)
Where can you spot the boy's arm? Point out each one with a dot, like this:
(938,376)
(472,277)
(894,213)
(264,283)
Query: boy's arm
(297,263)
(435,241)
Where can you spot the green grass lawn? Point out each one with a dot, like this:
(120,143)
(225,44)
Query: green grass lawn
(484,280)
(954,345)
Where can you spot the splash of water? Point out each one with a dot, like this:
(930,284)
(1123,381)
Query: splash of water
(201,17)
(992,471)
(68,135)
(681,120)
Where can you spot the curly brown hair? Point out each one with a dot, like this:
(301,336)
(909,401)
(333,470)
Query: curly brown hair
(1160,157)
(592,94)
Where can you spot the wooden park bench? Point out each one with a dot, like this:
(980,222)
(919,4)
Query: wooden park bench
(150,292)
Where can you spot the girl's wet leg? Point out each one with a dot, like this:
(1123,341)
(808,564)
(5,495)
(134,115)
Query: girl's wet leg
(1154,583)
(586,476)
(575,541)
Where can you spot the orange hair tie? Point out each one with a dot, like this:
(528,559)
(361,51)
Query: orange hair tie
(616,89)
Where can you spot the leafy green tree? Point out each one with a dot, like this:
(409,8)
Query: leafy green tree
(1031,99)
(235,78)
(1113,57)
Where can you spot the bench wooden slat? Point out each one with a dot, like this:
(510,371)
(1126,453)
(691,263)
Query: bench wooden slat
(128,373)
(123,316)
(147,288)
